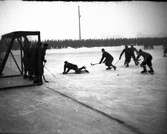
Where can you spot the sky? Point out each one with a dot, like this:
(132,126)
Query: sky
(99,20)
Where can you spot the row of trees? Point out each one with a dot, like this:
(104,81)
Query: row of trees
(147,42)
(106,42)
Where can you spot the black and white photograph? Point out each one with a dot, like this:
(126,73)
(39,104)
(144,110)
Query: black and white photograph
(83,67)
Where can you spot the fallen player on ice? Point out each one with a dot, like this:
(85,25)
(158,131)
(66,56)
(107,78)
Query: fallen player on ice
(69,66)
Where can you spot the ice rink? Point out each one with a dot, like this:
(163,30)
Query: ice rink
(138,100)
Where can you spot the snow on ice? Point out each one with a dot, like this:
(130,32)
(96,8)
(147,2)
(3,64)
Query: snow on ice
(140,100)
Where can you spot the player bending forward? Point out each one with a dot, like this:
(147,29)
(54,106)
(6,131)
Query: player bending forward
(147,61)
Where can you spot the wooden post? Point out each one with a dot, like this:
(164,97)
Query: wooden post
(79,16)
(39,38)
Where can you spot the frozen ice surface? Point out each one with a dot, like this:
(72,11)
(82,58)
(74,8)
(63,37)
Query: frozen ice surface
(140,100)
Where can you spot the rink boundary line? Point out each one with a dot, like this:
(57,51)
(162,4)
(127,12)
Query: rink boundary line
(136,130)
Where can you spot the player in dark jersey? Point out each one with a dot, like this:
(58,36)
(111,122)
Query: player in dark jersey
(107,59)
(147,60)
(69,66)
(127,52)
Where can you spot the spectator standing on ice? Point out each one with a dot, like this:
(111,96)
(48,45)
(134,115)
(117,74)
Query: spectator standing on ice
(107,59)
(69,66)
(32,64)
(127,52)
(40,60)
(165,50)
(26,58)
(147,60)
(132,53)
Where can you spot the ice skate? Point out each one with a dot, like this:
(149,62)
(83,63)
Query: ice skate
(143,72)
(151,71)
(127,65)
(86,71)
(115,67)
(109,68)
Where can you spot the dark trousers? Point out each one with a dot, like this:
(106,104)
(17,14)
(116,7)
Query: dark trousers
(147,62)
(127,61)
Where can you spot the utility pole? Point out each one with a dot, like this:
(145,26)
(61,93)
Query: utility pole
(79,16)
